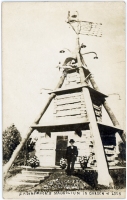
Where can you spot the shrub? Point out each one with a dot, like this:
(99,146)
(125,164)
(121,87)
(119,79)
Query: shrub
(63,163)
(33,162)
(83,161)
(11,138)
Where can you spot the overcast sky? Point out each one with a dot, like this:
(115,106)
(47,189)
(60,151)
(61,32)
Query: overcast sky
(32,35)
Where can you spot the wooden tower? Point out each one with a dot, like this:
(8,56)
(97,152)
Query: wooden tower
(78,108)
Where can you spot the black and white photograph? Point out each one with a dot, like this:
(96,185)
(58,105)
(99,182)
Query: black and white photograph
(63,100)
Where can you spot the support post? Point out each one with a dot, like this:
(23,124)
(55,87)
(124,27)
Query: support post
(106,106)
(104,177)
(30,130)
(108,109)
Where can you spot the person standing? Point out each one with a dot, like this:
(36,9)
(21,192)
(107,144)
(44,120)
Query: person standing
(71,156)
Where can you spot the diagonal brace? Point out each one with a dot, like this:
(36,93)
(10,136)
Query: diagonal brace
(30,130)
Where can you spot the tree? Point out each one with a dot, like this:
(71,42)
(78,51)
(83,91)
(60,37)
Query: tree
(11,138)
(122,154)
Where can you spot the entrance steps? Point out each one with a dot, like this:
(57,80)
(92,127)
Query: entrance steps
(29,177)
(43,169)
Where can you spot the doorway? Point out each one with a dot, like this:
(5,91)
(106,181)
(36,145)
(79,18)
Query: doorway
(61,146)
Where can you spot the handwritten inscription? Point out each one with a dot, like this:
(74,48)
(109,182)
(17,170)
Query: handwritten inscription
(71,193)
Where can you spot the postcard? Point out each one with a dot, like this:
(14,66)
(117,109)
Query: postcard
(63,81)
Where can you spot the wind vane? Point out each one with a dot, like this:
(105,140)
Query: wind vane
(84,27)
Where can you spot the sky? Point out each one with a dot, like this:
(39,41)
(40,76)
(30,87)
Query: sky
(33,33)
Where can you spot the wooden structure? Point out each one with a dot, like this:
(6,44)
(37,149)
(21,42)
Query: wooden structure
(77,115)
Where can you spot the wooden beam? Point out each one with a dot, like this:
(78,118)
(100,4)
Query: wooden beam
(109,110)
(104,177)
(48,133)
(105,104)
(62,127)
(103,174)
(78,132)
(8,165)
(77,89)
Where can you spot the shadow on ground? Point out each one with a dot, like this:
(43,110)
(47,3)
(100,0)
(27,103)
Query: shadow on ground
(90,177)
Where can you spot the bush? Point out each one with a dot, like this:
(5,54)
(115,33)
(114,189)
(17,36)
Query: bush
(83,161)
(33,162)
(30,145)
(122,154)
(11,139)
(63,163)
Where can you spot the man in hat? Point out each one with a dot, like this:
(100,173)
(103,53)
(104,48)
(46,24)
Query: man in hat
(71,155)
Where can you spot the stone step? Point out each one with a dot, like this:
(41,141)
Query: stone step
(34,175)
(36,172)
(30,180)
(20,183)
(41,169)
(27,178)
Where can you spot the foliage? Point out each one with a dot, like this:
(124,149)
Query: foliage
(63,163)
(59,181)
(25,154)
(30,145)
(83,161)
(33,162)
(122,154)
(11,138)
(122,150)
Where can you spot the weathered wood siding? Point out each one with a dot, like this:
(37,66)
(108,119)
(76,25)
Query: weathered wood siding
(72,79)
(72,106)
(85,145)
(47,154)
(97,106)
(111,156)
(69,107)
(47,150)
